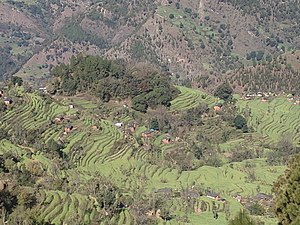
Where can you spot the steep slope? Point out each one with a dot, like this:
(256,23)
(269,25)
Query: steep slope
(198,42)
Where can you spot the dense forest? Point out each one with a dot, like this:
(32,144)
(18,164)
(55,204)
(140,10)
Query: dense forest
(111,79)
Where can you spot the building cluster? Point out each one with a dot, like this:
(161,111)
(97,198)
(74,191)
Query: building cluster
(263,199)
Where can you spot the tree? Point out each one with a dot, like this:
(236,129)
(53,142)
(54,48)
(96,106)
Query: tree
(154,124)
(17,80)
(139,103)
(197,150)
(260,55)
(240,123)
(224,92)
(287,194)
(171,16)
(53,146)
(8,201)
(283,150)
(242,218)
(202,45)
(2,107)
(256,209)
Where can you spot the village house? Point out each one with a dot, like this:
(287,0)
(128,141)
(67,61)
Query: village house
(217,108)
(264,100)
(58,119)
(1,94)
(147,134)
(259,94)
(249,96)
(238,197)
(119,125)
(7,101)
(71,106)
(214,196)
(131,129)
(68,128)
(95,127)
(263,197)
(132,126)
(43,90)
(167,140)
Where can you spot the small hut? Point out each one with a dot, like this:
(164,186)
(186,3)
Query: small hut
(7,101)
(69,128)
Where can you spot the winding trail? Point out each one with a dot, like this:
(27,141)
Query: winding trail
(201,9)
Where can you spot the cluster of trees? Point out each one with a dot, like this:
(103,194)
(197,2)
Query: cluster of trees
(108,79)
(7,62)
(282,151)
(275,76)
(287,194)
(224,92)
(74,32)
(255,55)
(241,123)
(39,9)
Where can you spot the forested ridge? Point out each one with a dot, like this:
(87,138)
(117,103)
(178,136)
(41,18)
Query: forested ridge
(147,87)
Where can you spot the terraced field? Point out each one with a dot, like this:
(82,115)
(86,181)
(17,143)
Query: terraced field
(105,151)
(190,98)
(59,207)
(274,119)
(33,113)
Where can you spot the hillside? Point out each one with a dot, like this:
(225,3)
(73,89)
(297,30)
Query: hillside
(201,43)
(76,159)
(147,112)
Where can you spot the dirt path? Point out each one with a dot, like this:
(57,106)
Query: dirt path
(201,9)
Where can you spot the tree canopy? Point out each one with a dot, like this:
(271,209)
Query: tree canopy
(240,123)
(224,92)
(287,194)
(146,86)
(242,218)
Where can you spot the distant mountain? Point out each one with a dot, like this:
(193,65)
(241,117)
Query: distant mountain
(200,43)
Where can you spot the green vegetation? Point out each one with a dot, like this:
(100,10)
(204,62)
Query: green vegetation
(99,172)
(242,219)
(115,142)
(108,79)
(286,191)
(224,92)
(240,123)
(190,98)
(75,33)
(273,119)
